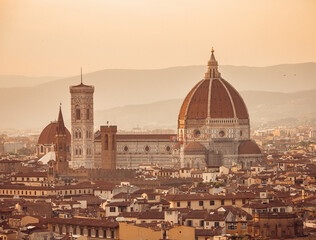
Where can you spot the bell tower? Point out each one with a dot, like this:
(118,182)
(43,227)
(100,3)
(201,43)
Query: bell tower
(82,126)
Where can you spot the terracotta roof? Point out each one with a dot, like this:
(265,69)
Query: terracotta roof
(194,147)
(248,147)
(208,232)
(83,222)
(214,98)
(130,214)
(206,196)
(196,214)
(118,204)
(47,136)
(152,215)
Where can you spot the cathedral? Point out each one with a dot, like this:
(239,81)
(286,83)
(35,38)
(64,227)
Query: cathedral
(213,130)
(213,125)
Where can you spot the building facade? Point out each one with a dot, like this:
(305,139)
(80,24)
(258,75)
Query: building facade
(82,126)
(133,150)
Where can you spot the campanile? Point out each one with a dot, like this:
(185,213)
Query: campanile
(82,126)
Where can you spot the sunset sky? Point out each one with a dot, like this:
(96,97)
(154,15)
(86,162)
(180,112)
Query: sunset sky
(57,37)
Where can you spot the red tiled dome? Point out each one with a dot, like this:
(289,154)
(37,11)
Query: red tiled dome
(248,147)
(194,147)
(48,134)
(213,97)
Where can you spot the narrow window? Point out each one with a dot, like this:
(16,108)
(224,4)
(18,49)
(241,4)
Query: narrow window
(77,114)
(106,143)
(88,114)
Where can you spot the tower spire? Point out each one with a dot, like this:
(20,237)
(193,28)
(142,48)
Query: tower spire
(61,129)
(81,75)
(212,67)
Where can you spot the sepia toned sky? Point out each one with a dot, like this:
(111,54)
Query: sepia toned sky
(57,37)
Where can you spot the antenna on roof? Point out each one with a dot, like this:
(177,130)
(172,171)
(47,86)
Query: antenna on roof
(81,74)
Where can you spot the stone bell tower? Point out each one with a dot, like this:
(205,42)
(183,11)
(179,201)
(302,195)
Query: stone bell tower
(82,126)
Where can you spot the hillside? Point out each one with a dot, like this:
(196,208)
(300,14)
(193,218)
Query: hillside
(9,81)
(263,107)
(36,106)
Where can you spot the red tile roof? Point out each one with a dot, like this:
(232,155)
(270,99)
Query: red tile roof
(194,147)
(248,147)
(83,222)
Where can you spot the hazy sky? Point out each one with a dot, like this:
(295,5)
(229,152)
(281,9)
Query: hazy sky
(56,37)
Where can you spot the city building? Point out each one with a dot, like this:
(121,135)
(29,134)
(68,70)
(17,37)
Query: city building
(213,125)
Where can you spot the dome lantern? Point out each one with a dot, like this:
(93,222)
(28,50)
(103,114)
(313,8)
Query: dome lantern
(212,67)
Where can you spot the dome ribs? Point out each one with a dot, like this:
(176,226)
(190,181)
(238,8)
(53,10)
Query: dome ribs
(220,105)
(186,101)
(197,108)
(240,106)
(212,98)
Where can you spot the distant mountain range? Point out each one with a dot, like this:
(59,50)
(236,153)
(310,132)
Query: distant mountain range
(9,81)
(142,97)
(264,108)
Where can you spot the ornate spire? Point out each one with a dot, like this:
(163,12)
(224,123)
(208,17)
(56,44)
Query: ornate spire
(212,67)
(61,129)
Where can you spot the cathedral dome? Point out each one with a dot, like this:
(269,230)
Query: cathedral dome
(194,148)
(213,98)
(47,136)
(248,147)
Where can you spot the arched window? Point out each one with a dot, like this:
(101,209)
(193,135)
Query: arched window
(42,149)
(77,114)
(79,134)
(76,151)
(113,142)
(106,142)
(80,151)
